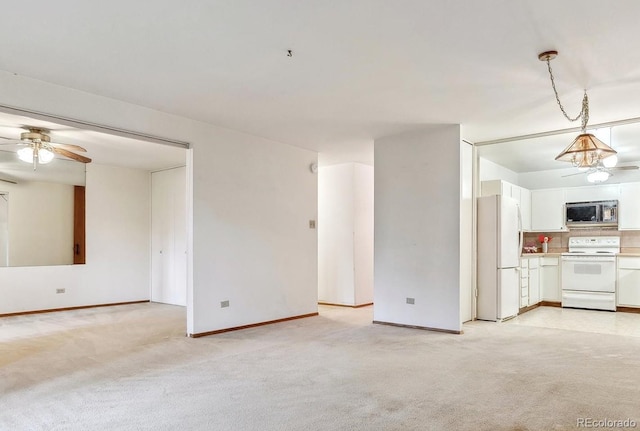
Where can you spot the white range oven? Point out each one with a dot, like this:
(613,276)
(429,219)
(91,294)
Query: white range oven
(589,273)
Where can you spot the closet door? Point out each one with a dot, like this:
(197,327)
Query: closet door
(169,237)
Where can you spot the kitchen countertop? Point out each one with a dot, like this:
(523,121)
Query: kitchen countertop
(557,254)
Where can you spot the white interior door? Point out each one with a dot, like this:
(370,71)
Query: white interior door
(169,237)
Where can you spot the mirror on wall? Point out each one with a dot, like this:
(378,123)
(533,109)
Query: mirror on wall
(530,162)
(41,212)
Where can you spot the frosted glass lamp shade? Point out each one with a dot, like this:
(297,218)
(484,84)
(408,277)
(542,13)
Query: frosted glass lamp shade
(610,161)
(26,154)
(44,156)
(598,177)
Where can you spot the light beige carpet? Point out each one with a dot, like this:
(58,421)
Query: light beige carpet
(131,368)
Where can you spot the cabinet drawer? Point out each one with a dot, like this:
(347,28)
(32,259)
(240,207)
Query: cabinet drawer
(629,262)
(524,282)
(524,302)
(533,263)
(524,263)
(549,261)
(524,292)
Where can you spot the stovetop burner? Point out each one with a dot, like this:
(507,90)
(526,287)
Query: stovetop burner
(593,246)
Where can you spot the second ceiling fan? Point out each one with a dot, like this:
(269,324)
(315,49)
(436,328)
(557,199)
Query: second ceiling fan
(39,149)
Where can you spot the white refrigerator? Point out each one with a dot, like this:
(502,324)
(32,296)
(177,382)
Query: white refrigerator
(499,248)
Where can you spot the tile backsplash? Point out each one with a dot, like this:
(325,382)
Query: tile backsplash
(629,239)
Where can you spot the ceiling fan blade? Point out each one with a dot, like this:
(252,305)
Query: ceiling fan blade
(69,154)
(577,173)
(69,147)
(623,168)
(7,181)
(11,141)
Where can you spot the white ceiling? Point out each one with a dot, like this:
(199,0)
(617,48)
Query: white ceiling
(360,69)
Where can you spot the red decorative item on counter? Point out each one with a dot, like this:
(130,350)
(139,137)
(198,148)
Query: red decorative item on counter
(542,239)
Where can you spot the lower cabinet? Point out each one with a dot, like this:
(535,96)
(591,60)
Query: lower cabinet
(529,281)
(539,280)
(550,279)
(628,281)
(534,281)
(524,282)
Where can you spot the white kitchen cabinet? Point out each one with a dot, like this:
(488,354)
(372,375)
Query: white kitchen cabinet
(525,208)
(550,279)
(547,210)
(534,281)
(529,280)
(628,281)
(495,187)
(629,206)
(524,282)
(520,194)
(605,192)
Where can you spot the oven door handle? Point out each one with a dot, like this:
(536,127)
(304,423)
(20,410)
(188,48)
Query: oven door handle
(589,259)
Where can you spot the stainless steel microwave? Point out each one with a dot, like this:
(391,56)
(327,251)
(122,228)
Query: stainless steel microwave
(589,214)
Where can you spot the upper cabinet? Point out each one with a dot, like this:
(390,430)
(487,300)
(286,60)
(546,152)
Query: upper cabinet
(547,210)
(521,195)
(629,207)
(525,208)
(543,210)
(603,192)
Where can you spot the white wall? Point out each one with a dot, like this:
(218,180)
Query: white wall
(489,170)
(336,275)
(251,203)
(117,242)
(252,245)
(4,229)
(363,233)
(345,234)
(40,223)
(467,302)
(417,228)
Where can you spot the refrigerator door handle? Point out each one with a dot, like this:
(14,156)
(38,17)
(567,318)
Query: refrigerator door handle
(521,239)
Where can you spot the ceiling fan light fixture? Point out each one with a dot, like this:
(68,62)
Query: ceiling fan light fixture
(26,154)
(41,154)
(610,162)
(598,176)
(44,156)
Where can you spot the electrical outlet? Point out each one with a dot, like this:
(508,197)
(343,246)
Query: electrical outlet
(224,304)
(312,224)
(61,290)
(411,301)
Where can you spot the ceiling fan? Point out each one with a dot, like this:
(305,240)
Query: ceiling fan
(39,149)
(601,173)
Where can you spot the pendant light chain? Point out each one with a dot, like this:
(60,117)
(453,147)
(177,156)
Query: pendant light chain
(584,112)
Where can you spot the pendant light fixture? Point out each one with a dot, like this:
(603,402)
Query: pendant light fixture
(586,151)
